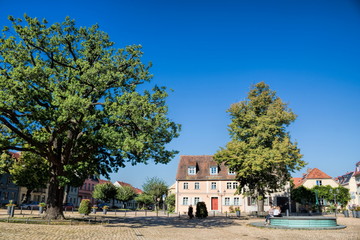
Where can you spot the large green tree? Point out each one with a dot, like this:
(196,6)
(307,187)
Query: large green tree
(144,200)
(156,188)
(67,95)
(125,193)
(105,192)
(261,151)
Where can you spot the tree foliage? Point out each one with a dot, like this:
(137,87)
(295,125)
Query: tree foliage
(170,202)
(125,193)
(261,151)
(105,192)
(156,188)
(27,170)
(30,171)
(303,195)
(68,96)
(85,207)
(144,199)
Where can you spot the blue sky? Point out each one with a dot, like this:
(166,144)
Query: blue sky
(211,52)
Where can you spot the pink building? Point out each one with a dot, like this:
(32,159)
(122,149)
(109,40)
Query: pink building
(200,178)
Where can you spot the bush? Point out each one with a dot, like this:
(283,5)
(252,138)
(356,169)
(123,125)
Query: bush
(85,207)
(201,210)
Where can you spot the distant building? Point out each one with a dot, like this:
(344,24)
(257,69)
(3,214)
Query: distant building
(85,191)
(200,178)
(129,204)
(351,180)
(8,190)
(71,195)
(314,177)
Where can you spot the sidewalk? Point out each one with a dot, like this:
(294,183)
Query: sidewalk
(174,228)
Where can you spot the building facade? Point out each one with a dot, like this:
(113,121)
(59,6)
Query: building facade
(85,191)
(200,178)
(8,190)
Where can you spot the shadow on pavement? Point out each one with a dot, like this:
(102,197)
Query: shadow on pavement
(142,222)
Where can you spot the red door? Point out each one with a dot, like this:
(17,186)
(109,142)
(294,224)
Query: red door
(214,203)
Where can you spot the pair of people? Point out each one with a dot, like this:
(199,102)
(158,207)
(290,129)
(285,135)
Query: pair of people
(274,211)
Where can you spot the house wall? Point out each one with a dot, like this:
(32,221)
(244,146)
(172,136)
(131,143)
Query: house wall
(85,191)
(204,194)
(309,183)
(37,195)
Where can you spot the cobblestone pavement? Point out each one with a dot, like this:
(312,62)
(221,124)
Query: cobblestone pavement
(172,228)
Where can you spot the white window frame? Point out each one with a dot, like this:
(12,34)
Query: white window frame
(213,186)
(235,185)
(196,185)
(192,170)
(227,201)
(185,201)
(185,185)
(236,201)
(319,182)
(196,200)
(214,170)
(231,172)
(228,185)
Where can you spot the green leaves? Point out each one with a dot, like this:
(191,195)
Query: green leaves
(260,150)
(68,96)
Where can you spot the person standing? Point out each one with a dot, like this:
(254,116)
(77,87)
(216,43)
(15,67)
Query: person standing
(190,212)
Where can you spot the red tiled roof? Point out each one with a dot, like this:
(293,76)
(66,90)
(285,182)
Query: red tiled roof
(202,164)
(297,182)
(103,181)
(317,174)
(137,190)
(15,154)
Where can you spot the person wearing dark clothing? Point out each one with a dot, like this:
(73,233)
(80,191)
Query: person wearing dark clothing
(190,212)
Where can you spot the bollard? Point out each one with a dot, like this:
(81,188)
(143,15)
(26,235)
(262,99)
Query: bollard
(31,209)
(145,213)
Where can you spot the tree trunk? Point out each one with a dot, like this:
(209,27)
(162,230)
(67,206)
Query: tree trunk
(55,196)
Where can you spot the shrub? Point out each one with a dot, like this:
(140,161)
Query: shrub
(201,210)
(85,207)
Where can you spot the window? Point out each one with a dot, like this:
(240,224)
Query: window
(227,201)
(196,200)
(214,170)
(228,185)
(192,170)
(251,201)
(213,185)
(185,201)
(235,185)
(236,201)
(197,185)
(318,182)
(186,185)
(231,172)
